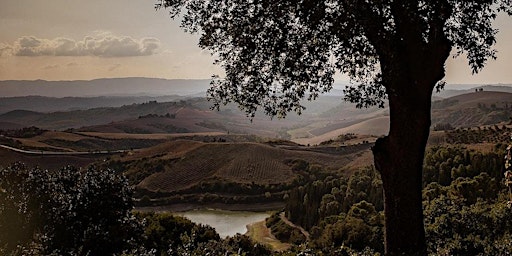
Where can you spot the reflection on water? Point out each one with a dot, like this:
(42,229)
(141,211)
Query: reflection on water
(226,223)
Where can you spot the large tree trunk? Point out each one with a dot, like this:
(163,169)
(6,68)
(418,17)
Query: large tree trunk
(399,159)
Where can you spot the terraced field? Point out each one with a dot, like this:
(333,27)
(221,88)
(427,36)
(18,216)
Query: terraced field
(241,163)
(258,163)
(196,166)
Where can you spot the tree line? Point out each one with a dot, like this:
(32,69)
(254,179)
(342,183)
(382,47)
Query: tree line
(464,202)
(90,212)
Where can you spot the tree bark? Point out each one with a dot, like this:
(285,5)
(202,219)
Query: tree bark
(399,159)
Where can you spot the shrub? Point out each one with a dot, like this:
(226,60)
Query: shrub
(66,212)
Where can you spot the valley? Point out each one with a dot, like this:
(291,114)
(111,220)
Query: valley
(183,153)
(178,155)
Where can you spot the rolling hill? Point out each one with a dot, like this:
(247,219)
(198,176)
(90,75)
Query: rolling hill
(247,163)
(170,167)
(96,116)
(463,110)
(128,86)
(377,126)
(53,162)
(473,109)
(52,104)
(327,118)
(192,115)
(453,90)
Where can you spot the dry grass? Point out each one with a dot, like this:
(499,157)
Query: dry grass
(167,150)
(375,126)
(39,141)
(247,163)
(235,162)
(37,144)
(481,147)
(59,135)
(360,160)
(155,136)
(259,233)
(46,161)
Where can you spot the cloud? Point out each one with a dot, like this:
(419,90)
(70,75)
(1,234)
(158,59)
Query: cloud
(100,45)
(5,50)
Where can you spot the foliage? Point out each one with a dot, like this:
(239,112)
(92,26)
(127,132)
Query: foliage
(341,139)
(284,232)
(89,212)
(168,235)
(456,224)
(67,212)
(493,134)
(340,211)
(80,212)
(163,232)
(277,53)
(464,199)
(26,132)
(445,164)
(443,127)
(317,200)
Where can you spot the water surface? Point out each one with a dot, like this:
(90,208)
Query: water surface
(226,223)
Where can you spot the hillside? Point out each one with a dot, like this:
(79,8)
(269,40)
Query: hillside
(248,163)
(128,86)
(376,127)
(324,119)
(90,117)
(10,126)
(151,125)
(473,109)
(59,142)
(181,171)
(463,110)
(453,90)
(53,104)
(191,116)
(53,162)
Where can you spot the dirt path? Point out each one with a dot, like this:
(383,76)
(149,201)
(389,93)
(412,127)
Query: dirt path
(259,233)
(289,223)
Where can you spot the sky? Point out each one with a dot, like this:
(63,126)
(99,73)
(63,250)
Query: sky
(83,40)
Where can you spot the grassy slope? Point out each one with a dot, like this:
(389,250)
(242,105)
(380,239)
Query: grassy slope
(248,163)
(473,109)
(259,232)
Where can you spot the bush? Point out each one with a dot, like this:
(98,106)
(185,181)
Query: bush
(66,212)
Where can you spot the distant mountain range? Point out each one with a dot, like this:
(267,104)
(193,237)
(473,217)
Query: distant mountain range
(160,106)
(51,104)
(130,86)
(323,119)
(142,86)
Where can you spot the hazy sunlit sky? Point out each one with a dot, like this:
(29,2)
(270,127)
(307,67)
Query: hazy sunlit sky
(82,40)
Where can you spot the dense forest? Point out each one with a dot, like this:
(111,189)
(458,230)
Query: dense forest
(465,206)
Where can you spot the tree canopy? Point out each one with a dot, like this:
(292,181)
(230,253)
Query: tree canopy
(276,53)
(65,212)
